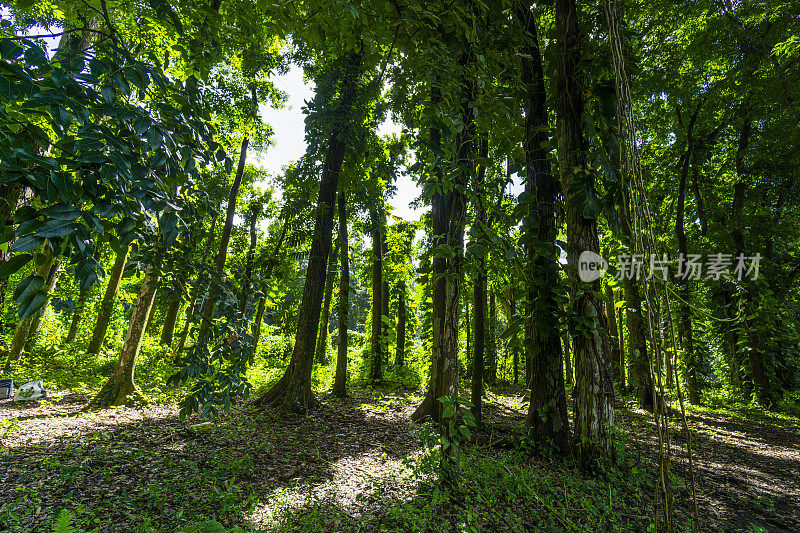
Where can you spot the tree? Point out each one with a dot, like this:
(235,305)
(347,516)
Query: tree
(594,402)
(547,412)
(293,390)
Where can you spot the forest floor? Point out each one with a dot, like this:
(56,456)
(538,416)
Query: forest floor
(357,464)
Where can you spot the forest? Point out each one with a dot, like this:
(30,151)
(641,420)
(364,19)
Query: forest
(532,266)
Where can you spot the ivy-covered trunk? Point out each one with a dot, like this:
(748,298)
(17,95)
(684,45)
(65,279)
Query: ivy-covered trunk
(293,389)
(594,401)
(107,305)
(547,411)
(340,380)
(120,388)
(439,225)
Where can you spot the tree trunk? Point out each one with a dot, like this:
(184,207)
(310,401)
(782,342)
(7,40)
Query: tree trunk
(547,411)
(248,268)
(621,340)
(120,388)
(611,318)
(376,366)
(171,319)
(440,208)
(24,329)
(188,317)
(684,310)
(50,284)
(567,358)
(400,346)
(594,402)
(222,253)
(491,342)
(293,390)
(77,313)
(512,305)
(107,305)
(340,381)
(322,337)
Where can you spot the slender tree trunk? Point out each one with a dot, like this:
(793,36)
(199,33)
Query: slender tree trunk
(322,337)
(479,289)
(77,313)
(400,346)
(340,380)
(120,388)
(222,253)
(385,299)
(107,305)
(440,209)
(491,341)
(248,269)
(567,358)
(547,412)
(594,402)
(50,284)
(376,367)
(293,390)
(24,329)
(622,367)
(188,317)
(514,350)
(171,319)
(611,317)
(684,310)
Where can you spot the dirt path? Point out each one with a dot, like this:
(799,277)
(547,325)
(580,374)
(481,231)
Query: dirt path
(120,468)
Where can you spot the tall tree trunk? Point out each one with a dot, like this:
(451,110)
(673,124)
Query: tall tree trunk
(322,337)
(77,313)
(512,305)
(594,402)
(621,340)
(248,268)
(293,390)
(171,319)
(107,305)
(684,310)
(188,316)
(567,358)
(491,341)
(25,327)
(400,346)
(222,253)
(376,366)
(120,388)
(340,380)
(547,411)
(50,284)
(479,289)
(611,318)
(440,209)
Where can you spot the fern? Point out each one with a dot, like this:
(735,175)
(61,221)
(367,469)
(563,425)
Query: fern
(63,523)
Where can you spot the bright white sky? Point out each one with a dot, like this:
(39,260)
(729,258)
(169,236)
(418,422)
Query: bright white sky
(289,138)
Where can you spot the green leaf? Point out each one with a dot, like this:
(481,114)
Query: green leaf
(15,263)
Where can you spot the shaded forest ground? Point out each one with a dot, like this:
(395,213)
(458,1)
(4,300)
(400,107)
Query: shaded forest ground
(358,464)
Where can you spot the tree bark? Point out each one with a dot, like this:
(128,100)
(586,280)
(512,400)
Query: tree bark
(547,411)
(594,402)
(248,268)
(567,358)
(611,318)
(340,380)
(322,337)
(120,389)
(107,305)
(171,319)
(293,390)
(376,365)
(36,326)
(400,346)
(24,329)
(491,341)
(479,289)
(77,313)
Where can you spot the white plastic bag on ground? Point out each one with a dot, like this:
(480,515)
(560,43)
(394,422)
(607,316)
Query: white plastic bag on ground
(33,390)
